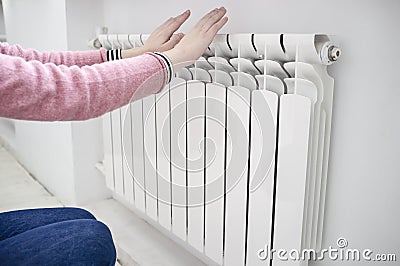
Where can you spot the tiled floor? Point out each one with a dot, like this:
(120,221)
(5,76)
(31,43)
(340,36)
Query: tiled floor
(138,243)
(18,190)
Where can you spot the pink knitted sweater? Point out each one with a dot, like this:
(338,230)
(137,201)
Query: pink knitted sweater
(53,86)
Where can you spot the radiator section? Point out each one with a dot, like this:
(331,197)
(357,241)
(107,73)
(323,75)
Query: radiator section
(232,156)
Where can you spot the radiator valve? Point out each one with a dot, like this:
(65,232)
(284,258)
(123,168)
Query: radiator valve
(333,53)
(329,53)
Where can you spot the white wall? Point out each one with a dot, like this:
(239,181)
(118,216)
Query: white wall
(82,18)
(7,130)
(61,155)
(39,25)
(364,175)
(2,26)
(44,148)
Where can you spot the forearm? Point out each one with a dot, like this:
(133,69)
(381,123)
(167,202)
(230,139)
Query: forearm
(35,91)
(67,58)
(136,51)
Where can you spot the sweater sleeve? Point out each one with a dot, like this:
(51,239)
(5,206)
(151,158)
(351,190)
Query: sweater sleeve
(31,90)
(68,58)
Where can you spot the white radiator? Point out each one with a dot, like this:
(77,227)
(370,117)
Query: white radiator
(231,157)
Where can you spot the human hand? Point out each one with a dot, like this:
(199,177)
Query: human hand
(162,38)
(193,44)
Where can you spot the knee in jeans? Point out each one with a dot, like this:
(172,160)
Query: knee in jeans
(97,240)
(79,213)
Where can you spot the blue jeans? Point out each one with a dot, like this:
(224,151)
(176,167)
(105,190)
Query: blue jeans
(54,236)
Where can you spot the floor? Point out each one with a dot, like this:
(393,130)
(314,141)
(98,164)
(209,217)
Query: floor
(18,190)
(138,243)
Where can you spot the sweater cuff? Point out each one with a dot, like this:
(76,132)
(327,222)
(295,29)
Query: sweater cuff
(168,65)
(114,54)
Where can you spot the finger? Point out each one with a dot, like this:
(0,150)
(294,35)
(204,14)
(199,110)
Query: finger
(169,21)
(217,26)
(205,18)
(165,24)
(176,22)
(176,38)
(214,19)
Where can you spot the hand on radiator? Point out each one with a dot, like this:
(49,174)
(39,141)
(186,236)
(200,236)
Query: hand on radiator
(193,44)
(162,38)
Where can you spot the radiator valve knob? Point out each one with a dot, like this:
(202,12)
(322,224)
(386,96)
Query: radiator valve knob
(329,53)
(334,53)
